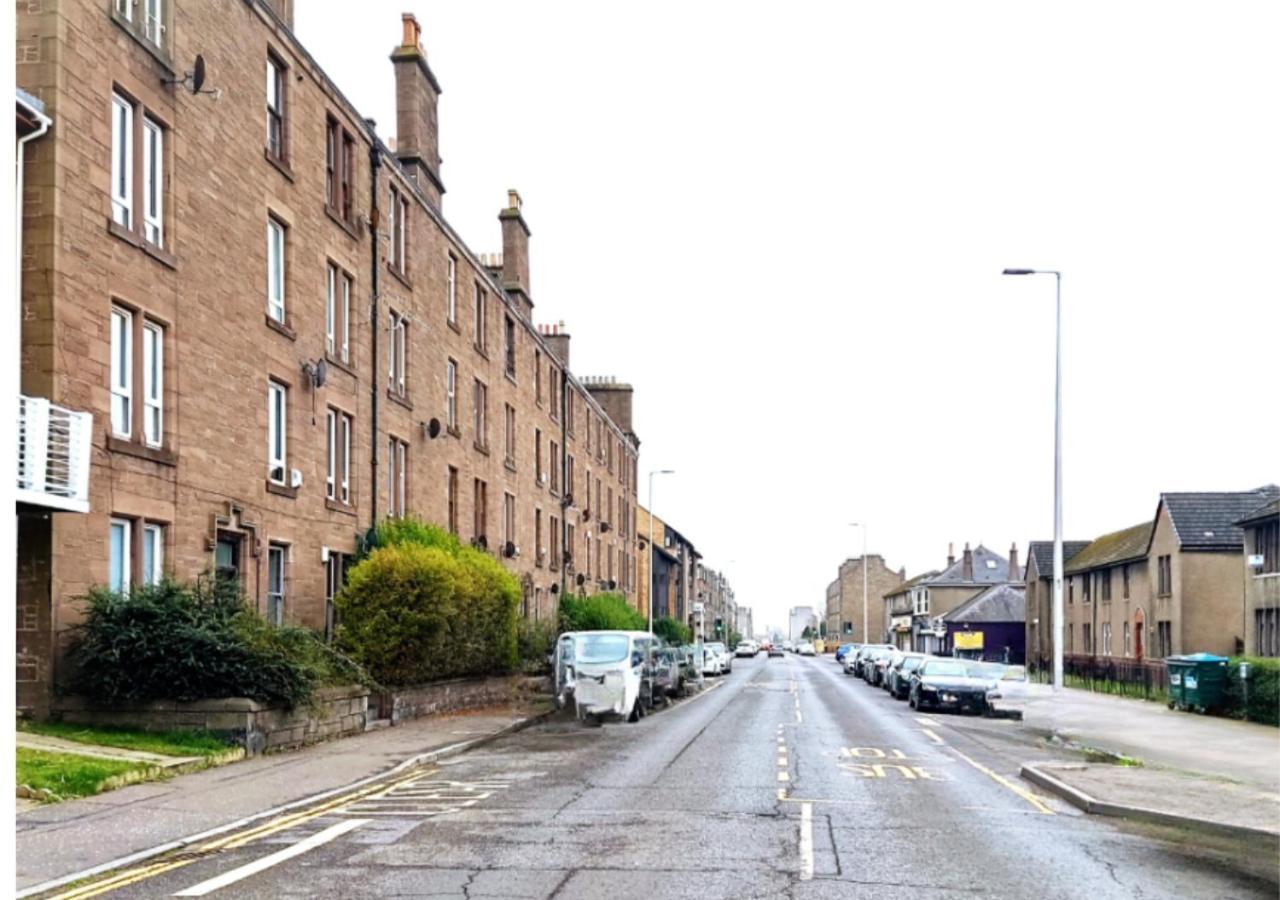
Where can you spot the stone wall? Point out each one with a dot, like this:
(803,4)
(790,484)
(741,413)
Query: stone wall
(454,696)
(336,712)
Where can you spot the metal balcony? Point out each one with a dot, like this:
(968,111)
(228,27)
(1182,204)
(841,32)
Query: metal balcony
(53,455)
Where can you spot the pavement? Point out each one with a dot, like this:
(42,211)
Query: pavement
(786,779)
(58,840)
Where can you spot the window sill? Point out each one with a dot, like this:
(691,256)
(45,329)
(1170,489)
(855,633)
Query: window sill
(453,323)
(483,448)
(509,465)
(159,254)
(281,327)
(511,376)
(161,455)
(399,276)
(278,163)
(455,431)
(128,236)
(281,490)
(335,506)
(399,400)
(336,217)
(337,363)
(483,353)
(153,51)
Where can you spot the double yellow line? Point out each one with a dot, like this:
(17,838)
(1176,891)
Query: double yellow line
(237,839)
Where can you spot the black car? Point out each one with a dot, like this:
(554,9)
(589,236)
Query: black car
(944,684)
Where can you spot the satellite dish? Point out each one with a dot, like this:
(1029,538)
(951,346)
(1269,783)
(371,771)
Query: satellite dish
(509,550)
(582,579)
(555,588)
(433,428)
(197,74)
(612,584)
(322,373)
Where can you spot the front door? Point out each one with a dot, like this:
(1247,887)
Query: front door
(1139,630)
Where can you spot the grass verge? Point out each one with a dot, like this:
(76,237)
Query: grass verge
(63,775)
(169,743)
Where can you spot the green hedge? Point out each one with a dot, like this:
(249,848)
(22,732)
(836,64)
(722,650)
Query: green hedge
(1264,690)
(534,642)
(172,641)
(600,612)
(421,607)
(673,631)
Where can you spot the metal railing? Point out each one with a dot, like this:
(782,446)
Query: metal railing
(53,455)
(1144,678)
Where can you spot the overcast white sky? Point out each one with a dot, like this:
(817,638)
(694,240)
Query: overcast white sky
(785,225)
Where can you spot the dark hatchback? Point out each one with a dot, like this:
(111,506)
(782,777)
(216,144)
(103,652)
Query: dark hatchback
(944,684)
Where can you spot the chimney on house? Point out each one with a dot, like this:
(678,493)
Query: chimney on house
(951,555)
(283,10)
(968,562)
(902,573)
(1015,574)
(615,397)
(417,129)
(515,253)
(558,339)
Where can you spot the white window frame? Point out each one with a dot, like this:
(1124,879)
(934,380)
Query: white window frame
(153,181)
(125,9)
(480,401)
(121,160)
(344,485)
(331,309)
(478,304)
(277,431)
(451,394)
(277,554)
(337,313)
(153,26)
(126,555)
(392,211)
(344,317)
(331,470)
(153,540)
(403,222)
(398,348)
(275,269)
(452,293)
(275,102)
(398,452)
(121,372)
(152,384)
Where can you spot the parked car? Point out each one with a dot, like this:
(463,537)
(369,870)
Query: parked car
(852,661)
(948,684)
(844,649)
(775,650)
(608,673)
(668,672)
(747,649)
(716,659)
(806,649)
(898,674)
(788,646)
(874,662)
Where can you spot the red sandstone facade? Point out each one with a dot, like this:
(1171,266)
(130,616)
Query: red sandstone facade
(204,255)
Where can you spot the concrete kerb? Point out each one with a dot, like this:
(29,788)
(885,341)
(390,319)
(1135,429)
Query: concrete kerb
(1096,807)
(427,757)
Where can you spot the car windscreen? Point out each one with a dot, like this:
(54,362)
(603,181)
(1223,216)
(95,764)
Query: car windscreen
(602,648)
(944,668)
(911,663)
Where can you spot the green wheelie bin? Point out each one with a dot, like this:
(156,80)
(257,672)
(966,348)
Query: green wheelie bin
(1197,681)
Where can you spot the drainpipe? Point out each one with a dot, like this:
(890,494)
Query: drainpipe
(375,163)
(564,472)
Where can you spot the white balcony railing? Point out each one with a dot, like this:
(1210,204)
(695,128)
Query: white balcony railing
(53,455)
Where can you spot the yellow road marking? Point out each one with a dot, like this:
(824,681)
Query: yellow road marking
(933,736)
(1004,782)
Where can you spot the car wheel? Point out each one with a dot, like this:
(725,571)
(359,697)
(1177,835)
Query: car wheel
(637,712)
(911,701)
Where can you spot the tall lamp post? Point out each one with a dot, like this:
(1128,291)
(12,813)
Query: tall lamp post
(865,620)
(651,555)
(1058,612)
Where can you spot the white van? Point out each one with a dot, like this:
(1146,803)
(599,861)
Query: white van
(606,673)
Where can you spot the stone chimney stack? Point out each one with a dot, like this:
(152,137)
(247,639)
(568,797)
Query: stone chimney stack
(615,397)
(1015,574)
(968,562)
(515,253)
(951,555)
(558,339)
(417,128)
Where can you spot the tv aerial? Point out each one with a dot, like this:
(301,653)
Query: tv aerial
(194,80)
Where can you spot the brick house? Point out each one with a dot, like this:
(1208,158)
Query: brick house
(844,600)
(1262,580)
(1038,579)
(962,580)
(278,334)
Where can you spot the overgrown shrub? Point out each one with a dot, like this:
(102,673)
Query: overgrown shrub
(1264,690)
(422,607)
(600,612)
(673,631)
(534,642)
(172,641)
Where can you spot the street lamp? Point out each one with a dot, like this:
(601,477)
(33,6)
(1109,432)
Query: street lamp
(651,555)
(865,624)
(1058,612)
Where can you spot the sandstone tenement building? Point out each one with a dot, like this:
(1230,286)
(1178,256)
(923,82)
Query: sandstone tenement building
(279,336)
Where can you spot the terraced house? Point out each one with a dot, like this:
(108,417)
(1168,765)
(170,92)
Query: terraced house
(1174,584)
(279,336)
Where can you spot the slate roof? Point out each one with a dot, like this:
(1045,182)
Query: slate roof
(1208,521)
(989,567)
(1117,547)
(912,582)
(1266,511)
(998,603)
(1042,553)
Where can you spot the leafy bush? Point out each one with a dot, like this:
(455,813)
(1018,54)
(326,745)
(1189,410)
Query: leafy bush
(600,612)
(422,607)
(673,631)
(171,641)
(534,642)
(1264,690)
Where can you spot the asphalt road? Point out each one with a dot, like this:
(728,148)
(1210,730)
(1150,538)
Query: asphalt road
(788,779)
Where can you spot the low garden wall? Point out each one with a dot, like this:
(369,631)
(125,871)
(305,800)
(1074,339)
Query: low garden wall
(455,695)
(334,712)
